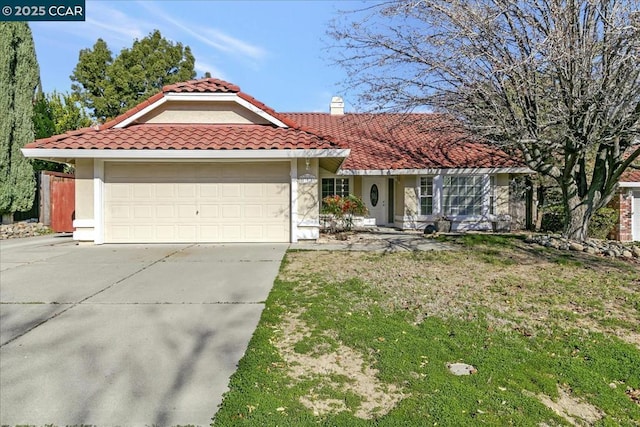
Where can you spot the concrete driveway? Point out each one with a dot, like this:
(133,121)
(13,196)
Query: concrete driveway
(125,334)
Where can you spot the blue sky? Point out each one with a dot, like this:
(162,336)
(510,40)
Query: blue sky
(273,50)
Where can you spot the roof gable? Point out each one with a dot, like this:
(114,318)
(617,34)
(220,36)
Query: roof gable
(207,90)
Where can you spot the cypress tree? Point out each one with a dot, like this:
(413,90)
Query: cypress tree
(19,79)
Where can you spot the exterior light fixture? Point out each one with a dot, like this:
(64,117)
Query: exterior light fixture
(308,177)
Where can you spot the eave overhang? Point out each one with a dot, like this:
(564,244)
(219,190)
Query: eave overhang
(437,171)
(65,154)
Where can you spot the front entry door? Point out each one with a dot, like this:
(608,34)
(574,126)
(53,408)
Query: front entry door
(375,198)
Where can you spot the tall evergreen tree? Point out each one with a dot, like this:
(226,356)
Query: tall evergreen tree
(19,79)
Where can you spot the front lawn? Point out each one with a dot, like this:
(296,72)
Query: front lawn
(361,339)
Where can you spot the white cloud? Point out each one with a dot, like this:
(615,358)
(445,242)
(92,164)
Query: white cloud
(115,27)
(226,43)
(212,37)
(114,24)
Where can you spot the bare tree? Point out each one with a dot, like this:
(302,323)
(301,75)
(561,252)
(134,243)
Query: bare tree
(556,82)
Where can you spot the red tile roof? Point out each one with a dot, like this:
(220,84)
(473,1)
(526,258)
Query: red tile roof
(400,141)
(377,141)
(186,137)
(202,86)
(632,174)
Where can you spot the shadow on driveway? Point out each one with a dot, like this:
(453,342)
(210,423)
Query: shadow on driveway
(126,334)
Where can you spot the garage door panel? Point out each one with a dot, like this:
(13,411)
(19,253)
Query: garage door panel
(275,211)
(231,191)
(254,232)
(231,211)
(210,233)
(185,191)
(252,212)
(142,191)
(119,212)
(165,232)
(165,211)
(144,212)
(120,192)
(209,190)
(187,233)
(209,211)
(275,233)
(229,232)
(142,232)
(201,202)
(254,190)
(187,211)
(164,191)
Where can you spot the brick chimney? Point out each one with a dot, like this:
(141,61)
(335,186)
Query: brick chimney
(337,106)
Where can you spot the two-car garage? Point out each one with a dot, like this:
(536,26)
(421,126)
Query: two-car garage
(167,202)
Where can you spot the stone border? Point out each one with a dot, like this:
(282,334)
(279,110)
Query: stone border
(608,248)
(23,229)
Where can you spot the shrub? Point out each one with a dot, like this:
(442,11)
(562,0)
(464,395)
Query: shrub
(343,209)
(553,219)
(602,223)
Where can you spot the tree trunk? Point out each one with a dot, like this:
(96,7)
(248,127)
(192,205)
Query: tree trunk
(577,217)
(539,207)
(7,218)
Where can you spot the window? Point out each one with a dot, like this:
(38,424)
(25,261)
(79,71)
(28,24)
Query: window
(463,195)
(426,195)
(335,187)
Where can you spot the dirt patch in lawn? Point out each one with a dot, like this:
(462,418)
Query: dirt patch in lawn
(341,370)
(573,410)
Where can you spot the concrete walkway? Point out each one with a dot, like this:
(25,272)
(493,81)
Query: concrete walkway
(125,334)
(376,240)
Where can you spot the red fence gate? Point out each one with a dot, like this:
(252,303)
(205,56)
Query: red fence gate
(61,201)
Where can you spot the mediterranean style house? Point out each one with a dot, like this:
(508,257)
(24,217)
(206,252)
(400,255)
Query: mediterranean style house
(203,161)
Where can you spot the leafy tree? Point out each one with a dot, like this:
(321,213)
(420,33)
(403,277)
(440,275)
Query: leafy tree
(94,87)
(56,113)
(19,78)
(109,86)
(43,123)
(554,82)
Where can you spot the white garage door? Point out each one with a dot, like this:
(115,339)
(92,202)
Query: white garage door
(635,221)
(196,202)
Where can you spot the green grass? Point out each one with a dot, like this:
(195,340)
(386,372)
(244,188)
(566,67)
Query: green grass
(589,308)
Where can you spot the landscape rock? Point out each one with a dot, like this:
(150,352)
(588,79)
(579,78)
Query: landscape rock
(574,246)
(461,369)
(23,229)
(609,248)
